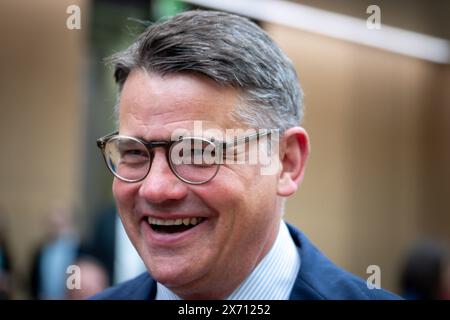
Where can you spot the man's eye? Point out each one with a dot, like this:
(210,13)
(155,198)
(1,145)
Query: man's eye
(134,155)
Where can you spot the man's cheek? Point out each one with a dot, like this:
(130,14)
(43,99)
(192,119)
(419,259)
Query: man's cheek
(122,192)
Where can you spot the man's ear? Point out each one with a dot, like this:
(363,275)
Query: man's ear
(294,152)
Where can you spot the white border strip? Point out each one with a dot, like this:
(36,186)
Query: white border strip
(337,26)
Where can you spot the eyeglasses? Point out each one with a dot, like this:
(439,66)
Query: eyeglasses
(193,160)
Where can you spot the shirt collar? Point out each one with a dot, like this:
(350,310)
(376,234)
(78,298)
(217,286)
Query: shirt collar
(272,279)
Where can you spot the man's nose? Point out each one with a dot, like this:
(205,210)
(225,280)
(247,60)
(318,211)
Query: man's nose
(161,184)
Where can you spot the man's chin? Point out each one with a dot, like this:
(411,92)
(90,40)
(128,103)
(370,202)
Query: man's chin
(172,277)
(176,268)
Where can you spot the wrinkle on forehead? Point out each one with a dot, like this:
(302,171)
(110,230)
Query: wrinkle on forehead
(153,106)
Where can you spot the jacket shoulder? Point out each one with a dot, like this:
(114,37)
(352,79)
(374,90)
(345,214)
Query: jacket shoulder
(142,287)
(319,278)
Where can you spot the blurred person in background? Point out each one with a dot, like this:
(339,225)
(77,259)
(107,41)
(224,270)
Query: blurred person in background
(5,263)
(205,233)
(50,262)
(93,278)
(426,272)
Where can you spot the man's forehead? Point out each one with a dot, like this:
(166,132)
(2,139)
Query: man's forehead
(152,105)
(192,128)
(174,91)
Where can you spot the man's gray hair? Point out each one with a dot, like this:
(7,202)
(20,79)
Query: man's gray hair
(229,49)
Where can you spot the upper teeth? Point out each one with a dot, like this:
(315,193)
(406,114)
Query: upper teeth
(176,222)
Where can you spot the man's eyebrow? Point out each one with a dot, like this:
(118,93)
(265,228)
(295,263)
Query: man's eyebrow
(140,137)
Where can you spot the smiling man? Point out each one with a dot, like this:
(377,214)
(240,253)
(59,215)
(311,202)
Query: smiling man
(212,228)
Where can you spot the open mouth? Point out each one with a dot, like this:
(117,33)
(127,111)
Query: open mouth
(174,225)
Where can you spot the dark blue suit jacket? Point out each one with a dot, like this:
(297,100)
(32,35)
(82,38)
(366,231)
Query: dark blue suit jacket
(317,279)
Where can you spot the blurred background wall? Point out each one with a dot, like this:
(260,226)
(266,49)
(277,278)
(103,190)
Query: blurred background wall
(42,122)
(378,177)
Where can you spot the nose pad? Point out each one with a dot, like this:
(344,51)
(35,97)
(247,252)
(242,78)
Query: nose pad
(161,184)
